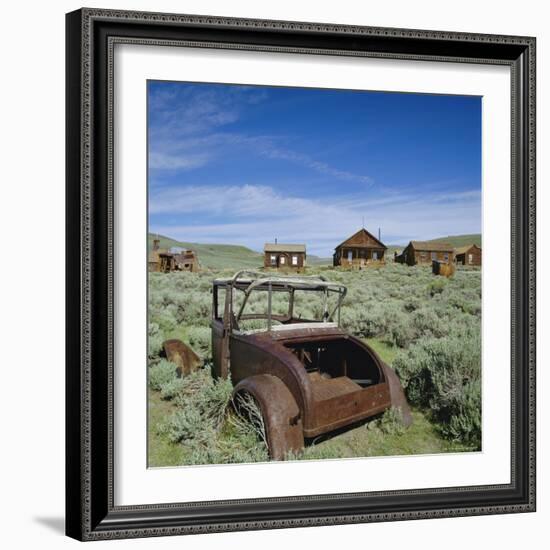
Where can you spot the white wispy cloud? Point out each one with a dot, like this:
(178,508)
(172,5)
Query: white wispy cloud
(255,214)
(181,128)
(268,149)
(164,161)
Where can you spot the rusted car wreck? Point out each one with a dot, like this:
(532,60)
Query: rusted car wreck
(308,376)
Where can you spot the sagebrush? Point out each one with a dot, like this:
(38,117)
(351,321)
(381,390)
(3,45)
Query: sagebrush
(433,323)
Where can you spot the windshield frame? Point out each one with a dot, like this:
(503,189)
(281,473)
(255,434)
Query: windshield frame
(250,281)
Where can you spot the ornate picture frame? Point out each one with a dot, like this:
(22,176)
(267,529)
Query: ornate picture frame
(91,512)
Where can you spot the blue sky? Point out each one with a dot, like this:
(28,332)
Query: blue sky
(245,165)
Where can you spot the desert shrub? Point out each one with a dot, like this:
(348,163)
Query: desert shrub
(160,374)
(391,422)
(199,338)
(207,427)
(172,388)
(427,318)
(247,417)
(437,286)
(201,403)
(226,447)
(399,328)
(466,425)
(445,375)
(194,308)
(155,340)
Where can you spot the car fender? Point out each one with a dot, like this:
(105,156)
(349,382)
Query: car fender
(280,412)
(397,395)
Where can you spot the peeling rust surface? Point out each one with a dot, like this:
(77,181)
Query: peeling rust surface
(281,414)
(309,379)
(182,355)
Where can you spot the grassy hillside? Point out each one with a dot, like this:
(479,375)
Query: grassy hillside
(318,260)
(460,240)
(216,256)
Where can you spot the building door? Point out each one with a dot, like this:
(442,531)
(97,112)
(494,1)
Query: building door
(470,259)
(350,256)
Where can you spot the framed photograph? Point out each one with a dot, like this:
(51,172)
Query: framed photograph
(300,274)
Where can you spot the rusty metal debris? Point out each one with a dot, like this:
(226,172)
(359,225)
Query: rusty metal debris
(309,376)
(181,355)
(445,269)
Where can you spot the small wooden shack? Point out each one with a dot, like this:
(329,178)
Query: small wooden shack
(424,252)
(187,260)
(468,255)
(160,260)
(361,249)
(285,256)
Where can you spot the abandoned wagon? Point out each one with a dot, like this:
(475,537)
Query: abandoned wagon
(361,249)
(468,255)
(308,376)
(282,256)
(425,252)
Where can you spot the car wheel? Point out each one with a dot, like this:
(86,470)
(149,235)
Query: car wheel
(275,413)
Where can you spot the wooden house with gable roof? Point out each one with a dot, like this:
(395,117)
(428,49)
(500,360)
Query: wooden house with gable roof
(468,255)
(285,256)
(425,252)
(361,249)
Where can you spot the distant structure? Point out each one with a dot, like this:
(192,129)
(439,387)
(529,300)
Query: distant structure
(285,256)
(176,249)
(187,260)
(425,252)
(361,249)
(162,260)
(468,255)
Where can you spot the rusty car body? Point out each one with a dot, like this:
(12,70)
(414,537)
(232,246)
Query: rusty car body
(308,376)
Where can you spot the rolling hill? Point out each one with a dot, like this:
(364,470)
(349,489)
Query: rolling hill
(215,256)
(460,240)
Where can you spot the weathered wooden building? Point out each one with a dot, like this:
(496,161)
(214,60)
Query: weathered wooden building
(468,255)
(285,256)
(361,249)
(187,260)
(424,252)
(160,259)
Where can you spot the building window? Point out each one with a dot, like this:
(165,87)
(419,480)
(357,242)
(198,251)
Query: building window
(282,260)
(273,259)
(470,258)
(294,260)
(434,255)
(446,256)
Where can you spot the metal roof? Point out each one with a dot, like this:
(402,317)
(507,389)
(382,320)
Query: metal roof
(281,247)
